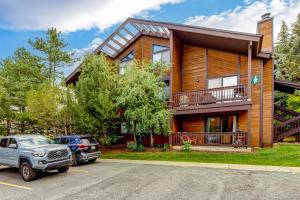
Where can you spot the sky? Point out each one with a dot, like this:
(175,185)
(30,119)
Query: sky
(86,23)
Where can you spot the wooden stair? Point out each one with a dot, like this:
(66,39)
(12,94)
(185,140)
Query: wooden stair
(290,123)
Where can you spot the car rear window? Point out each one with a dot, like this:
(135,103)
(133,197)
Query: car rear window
(88,140)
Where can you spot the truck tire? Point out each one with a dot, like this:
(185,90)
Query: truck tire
(74,160)
(63,169)
(27,173)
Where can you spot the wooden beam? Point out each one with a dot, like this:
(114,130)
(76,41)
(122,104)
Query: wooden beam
(249,69)
(127,31)
(124,38)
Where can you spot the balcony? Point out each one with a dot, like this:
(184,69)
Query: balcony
(216,100)
(235,139)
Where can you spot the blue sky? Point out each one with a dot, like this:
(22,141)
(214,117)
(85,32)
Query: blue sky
(86,23)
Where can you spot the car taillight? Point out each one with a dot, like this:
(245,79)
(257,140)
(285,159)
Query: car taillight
(81,146)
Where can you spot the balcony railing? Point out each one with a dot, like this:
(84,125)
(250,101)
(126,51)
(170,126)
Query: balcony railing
(210,96)
(235,139)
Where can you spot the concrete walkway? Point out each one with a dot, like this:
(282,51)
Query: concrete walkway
(208,165)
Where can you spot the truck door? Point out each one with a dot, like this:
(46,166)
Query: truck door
(3,149)
(12,152)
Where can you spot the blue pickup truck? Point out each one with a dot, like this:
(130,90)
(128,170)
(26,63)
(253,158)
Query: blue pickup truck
(33,153)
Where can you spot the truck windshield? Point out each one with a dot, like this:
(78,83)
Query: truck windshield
(34,141)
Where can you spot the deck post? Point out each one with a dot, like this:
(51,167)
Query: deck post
(249,69)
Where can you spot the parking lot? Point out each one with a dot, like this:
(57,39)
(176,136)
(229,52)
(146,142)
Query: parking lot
(102,180)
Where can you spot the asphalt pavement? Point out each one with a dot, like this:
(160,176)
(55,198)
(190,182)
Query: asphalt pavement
(114,180)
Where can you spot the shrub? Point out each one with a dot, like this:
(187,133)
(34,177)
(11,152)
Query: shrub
(166,147)
(131,145)
(187,146)
(140,148)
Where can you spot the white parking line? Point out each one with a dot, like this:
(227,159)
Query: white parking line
(16,186)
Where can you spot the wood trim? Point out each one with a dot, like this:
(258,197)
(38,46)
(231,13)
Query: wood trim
(206,68)
(226,107)
(201,30)
(249,125)
(249,92)
(239,68)
(261,115)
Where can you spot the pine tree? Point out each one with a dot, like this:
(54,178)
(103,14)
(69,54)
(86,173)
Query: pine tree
(294,67)
(54,55)
(282,50)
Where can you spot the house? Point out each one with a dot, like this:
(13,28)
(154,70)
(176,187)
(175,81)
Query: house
(220,83)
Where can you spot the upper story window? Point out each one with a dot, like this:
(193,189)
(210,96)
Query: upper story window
(222,82)
(125,61)
(161,54)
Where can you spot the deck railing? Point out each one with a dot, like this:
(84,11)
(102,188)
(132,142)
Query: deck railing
(287,128)
(237,139)
(283,114)
(210,96)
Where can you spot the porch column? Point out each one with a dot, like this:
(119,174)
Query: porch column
(249,69)
(249,91)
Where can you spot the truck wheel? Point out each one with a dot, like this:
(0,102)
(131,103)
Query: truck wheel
(27,173)
(92,160)
(63,169)
(74,161)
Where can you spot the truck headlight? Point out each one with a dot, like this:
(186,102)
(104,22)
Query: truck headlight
(38,153)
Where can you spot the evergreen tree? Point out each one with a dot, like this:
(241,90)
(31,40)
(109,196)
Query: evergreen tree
(19,74)
(54,55)
(282,50)
(95,91)
(295,51)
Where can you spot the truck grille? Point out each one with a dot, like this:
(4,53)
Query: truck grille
(57,154)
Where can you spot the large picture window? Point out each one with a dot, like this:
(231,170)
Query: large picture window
(125,62)
(161,54)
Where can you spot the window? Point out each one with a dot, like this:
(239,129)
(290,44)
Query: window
(167,90)
(223,94)
(161,54)
(12,143)
(126,61)
(222,82)
(3,143)
(64,141)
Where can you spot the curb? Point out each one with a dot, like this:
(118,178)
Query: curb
(208,165)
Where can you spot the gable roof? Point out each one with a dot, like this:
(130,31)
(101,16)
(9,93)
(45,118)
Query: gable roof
(132,28)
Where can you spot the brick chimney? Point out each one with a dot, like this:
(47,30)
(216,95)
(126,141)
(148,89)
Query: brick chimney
(265,28)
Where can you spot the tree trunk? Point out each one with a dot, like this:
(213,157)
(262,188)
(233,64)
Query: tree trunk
(151,138)
(8,124)
(65,127)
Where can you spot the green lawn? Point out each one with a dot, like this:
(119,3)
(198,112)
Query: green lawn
(280,155)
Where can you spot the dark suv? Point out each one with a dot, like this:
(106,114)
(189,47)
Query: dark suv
(83,147)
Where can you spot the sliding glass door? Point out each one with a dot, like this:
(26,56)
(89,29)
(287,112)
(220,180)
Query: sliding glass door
(220,124)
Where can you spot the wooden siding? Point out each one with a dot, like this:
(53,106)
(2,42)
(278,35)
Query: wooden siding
(255,108)
(193,123)
(268,104)
(194,69)
(176,56)
(221,63)
(243,120)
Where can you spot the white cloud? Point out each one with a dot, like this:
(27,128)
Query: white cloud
(69,16)
(245,18)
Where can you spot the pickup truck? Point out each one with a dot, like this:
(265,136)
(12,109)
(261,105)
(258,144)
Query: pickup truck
(33,154)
